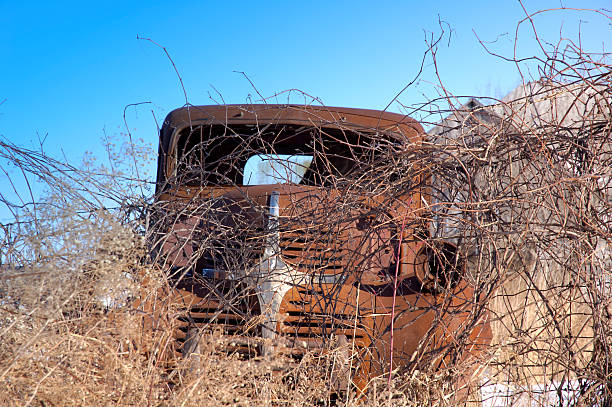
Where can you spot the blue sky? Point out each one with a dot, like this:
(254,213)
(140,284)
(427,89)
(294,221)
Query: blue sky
(69,69)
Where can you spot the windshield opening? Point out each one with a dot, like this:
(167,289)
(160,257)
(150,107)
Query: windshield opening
(271,154)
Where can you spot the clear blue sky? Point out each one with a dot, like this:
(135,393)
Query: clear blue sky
(70,68)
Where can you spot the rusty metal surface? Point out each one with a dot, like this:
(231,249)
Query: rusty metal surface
(287,268)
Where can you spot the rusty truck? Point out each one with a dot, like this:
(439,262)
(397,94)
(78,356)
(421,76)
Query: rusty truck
(289,229)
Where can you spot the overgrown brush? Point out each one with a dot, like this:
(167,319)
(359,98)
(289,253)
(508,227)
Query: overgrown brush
(523,187)
(85,334)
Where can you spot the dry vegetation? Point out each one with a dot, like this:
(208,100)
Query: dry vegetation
(523,187)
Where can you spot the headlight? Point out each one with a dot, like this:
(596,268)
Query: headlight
(438,267)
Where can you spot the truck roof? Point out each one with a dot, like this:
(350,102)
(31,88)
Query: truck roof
(290,114)
(263,114)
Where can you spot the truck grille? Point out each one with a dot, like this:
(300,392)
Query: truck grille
(311,317)
(225,314)
(311,250)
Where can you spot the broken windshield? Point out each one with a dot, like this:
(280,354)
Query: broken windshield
(276,153)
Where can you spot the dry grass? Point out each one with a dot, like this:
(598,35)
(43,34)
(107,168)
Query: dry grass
(81,354)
